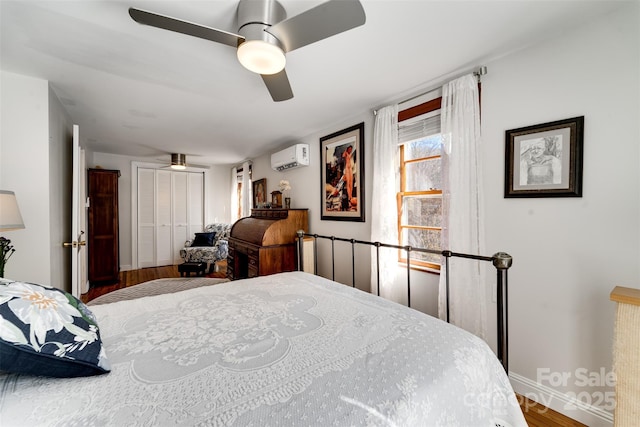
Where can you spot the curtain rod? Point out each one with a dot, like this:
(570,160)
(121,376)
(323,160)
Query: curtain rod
(481,71)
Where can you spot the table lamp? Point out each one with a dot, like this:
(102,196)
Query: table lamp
(10,219)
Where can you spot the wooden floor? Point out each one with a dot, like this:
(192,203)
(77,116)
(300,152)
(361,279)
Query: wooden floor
(535,414)
(133,277)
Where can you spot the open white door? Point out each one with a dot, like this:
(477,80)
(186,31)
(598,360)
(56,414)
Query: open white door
(78,221)
(82,210)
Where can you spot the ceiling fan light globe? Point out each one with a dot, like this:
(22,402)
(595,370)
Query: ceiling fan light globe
(178,167)
(261,57)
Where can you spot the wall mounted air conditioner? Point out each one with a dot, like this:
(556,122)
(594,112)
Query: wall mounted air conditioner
(292,157)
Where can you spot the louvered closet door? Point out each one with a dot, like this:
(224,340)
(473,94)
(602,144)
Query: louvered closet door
(170,210)
(146,218)
(180,213)
(164,255)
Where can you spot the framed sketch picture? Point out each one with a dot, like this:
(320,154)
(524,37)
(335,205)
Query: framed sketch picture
(259,189)
(342,174)
(545,160)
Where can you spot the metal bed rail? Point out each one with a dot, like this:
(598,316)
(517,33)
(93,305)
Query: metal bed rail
(500,260)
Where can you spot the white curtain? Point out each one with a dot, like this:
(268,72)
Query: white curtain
(246,189)
(234,194)
(242,202)
(384,214)
(463,224)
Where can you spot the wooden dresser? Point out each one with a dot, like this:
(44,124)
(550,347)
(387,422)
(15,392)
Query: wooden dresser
(265,242)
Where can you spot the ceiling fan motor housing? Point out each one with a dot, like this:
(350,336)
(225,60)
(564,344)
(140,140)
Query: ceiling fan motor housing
(178,161)
(254,16)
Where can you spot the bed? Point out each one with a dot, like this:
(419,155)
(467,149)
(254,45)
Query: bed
(290,349)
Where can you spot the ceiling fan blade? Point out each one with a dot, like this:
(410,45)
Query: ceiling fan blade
(320,22)
(184,27)
(278,86)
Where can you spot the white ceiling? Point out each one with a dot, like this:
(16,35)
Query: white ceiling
(141,91)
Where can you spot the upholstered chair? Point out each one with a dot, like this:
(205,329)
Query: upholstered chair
(216,249)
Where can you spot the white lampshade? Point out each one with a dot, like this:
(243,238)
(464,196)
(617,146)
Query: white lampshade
(10,218)
(261,57)
(178,161)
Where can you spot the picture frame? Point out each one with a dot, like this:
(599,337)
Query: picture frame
(259,191)
(342,163)
(545,160)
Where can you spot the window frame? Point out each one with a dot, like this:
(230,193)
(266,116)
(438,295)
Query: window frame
(239,189)
(406,114)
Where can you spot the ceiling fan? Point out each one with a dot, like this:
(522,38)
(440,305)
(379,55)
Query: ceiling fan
(265,35)
(178,161)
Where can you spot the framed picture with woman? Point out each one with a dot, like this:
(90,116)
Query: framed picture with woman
(259,189)
(342,174)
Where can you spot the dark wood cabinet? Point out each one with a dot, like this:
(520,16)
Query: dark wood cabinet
(103,251)
(265,242)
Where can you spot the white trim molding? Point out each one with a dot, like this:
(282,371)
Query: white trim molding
(588,414)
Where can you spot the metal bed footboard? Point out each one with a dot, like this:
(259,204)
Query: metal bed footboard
(501,261)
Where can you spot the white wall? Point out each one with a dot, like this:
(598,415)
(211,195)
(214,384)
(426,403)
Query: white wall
(60,185)
(219,196)
(568,252)
(216,189)
(24,160)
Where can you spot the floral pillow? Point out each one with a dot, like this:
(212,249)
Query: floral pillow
(48,332)
(204,239)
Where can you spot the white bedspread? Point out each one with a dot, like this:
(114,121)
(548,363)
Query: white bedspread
(290,349)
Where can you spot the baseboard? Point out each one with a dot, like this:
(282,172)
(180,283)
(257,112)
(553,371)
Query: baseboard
(590,415)
(126,268)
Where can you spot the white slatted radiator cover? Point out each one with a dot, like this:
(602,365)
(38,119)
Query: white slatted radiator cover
(626,356)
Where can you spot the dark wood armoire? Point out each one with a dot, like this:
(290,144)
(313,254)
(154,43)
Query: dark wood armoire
(265,242)
(103,251)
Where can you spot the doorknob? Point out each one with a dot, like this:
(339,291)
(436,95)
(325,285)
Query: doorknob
(74,244)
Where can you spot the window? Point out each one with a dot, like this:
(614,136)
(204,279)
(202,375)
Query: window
(420,196)
(240,190)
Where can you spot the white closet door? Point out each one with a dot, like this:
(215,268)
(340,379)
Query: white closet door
(180,213)
(196,203)
(146,218)
(164,255)
(170,210)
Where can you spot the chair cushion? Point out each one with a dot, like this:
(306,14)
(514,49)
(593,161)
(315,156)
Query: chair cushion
(204,239)
(48,332)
